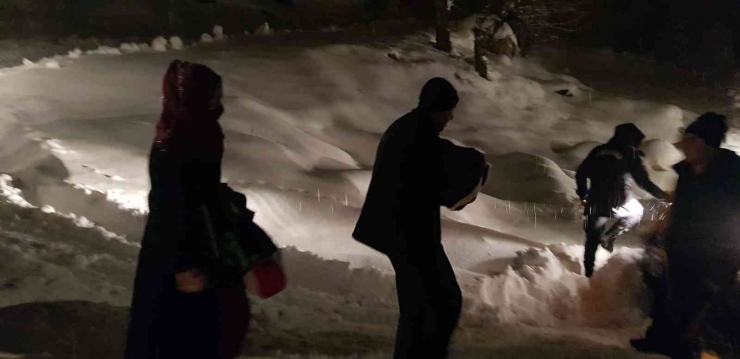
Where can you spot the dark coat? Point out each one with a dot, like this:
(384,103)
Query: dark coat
(402,208)
(175,240)
(704,230)
(612,169)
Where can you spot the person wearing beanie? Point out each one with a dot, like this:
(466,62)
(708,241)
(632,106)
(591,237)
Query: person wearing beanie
(702,239)
(401,218)
(612,168)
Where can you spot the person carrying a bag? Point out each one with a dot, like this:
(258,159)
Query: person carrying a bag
(189,301)
(415,173)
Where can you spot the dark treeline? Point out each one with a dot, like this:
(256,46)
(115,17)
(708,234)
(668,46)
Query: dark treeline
(698,34)
(691,33)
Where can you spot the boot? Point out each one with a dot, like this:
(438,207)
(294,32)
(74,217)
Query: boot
(607,241)
(589,270)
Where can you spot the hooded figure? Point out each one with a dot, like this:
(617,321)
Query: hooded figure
(401,218)
(175,313)
(612,169)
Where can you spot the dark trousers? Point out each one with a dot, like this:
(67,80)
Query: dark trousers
(597,232)
(696,288)
(430,302)
(660,329)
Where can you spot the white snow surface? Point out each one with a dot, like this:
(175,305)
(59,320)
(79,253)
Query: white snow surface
(74,54)
(129,47)
(264,30)
(53,65)
(302,125)
(159,44)
(177,43)
(206,38)
(218,32)
(104,50)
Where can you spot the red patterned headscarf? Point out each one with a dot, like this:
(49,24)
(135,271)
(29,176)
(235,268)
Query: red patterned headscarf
(191,109)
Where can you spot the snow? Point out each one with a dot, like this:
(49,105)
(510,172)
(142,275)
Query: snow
(504,32)
(176,43)
(159,44)
(104,50)
(302,125)
(12,194)
(28,63)
(52,65)
(75,54)
(523,177)
(264,30)
(129,48)
(206,38)
(218,33)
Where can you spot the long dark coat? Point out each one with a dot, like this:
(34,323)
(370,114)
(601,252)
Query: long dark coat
(175,240)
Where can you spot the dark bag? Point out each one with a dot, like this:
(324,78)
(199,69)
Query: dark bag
(236,242)
(465,172)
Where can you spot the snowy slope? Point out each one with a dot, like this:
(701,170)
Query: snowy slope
(302,125)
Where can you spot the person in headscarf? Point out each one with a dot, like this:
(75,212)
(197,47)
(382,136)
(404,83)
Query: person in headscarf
(178,309)
(702,241)
(401,218)
(612,168)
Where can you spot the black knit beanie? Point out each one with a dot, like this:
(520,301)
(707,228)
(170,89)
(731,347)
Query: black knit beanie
(710,127)
(438,95)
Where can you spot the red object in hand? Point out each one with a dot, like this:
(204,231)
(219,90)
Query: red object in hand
(266,278)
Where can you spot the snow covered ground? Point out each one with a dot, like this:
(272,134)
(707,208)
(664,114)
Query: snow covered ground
(302,124)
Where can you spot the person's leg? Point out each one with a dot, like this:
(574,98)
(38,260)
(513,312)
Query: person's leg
(194,331)
(430,301)
(688,296)
(411,320)
(628,216)
(657,338)
(234,320)
(594,231)
(444,300)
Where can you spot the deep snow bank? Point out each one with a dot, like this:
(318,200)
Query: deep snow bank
(47,255)
(342,98)
(65,257)
(545,287)
(55,256)
(523,177)
(541,287)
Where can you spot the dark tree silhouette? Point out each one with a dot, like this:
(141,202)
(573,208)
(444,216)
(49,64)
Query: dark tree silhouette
(443,31)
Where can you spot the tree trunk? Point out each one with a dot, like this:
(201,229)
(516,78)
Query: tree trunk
(480,65)
(443,32)
(171,17)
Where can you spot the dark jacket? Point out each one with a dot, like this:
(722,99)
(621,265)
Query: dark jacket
(612,169)
(704,230)
(175,240)
(402,208)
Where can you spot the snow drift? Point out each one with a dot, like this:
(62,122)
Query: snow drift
(523,177)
